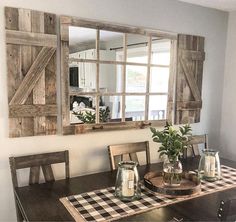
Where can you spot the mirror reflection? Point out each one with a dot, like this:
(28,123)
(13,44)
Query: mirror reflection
(110,78)
(96,76)
(157,110)
(135,107)
(83,109)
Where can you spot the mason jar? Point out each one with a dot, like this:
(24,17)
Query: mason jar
(127,186)
(172,172)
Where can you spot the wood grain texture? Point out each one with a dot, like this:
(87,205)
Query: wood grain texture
(26,61)
(30,39)
(34,175)
(32,76)
(120,151)
(193,145)
(190,51)
(65,20)
(35,162)
(39,89)
(19,111)
(50,27)
(31,62)
(47,197)
(48,174)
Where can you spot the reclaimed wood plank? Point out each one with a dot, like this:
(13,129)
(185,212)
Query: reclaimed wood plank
(26,61)
(65,99)
(14,71)
(36,110)
(189,105)
(30,38)
(189,78)
(37,21)
(50,27)
(32,76)
(66,20)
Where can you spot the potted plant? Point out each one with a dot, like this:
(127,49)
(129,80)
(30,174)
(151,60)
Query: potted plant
(173,142)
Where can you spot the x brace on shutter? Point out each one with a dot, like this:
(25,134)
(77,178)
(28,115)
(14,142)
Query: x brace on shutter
(191,81)
(33,75)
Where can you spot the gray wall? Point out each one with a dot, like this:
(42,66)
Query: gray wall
(228,119)
(84,149)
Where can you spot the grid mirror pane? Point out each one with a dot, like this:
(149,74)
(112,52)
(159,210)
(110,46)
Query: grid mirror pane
(111,46)
(136,78)
(82,109)
(135,108)
(111,108)
(115,76)
(157,107)
(110,78)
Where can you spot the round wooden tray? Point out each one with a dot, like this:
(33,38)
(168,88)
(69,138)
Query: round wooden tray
(190,184)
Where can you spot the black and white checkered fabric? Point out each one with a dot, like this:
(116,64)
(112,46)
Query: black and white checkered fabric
(102,205)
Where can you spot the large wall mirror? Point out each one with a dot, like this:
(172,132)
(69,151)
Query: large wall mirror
(115,77)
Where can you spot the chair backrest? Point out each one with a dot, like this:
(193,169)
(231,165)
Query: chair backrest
(227,210)
(127,151)
(194,143)
(34,162)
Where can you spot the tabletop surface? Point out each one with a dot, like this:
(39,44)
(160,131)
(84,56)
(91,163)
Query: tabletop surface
(40,202)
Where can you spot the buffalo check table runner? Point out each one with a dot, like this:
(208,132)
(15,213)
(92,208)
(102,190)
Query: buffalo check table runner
(102,205)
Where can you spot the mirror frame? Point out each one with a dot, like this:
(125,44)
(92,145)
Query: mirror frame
(70,129)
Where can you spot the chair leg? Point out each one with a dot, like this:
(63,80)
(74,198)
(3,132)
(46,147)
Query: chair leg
(19,216)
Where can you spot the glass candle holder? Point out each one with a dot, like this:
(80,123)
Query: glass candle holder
(127,186)
(209,166)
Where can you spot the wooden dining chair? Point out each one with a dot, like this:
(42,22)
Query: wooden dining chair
(227,210)
(35,162)
(127,151)
(193,149)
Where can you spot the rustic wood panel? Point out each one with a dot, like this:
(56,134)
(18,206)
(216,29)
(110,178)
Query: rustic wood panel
(189,78)
(32,76)
(19,111)
(65,20)
(31,46)
(50,27)
(29,39)
(26,61)
(39,89)
(15,75)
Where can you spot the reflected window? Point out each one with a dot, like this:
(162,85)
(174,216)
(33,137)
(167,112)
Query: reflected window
(115,76)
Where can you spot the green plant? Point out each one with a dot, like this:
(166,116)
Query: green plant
(89,116)
(173,142)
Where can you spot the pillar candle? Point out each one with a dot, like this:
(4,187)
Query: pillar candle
(128,183)
(209,170)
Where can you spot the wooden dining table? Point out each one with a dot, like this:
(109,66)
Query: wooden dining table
(41,202)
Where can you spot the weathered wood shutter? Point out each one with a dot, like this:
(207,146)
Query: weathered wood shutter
(31,69)
(190,57)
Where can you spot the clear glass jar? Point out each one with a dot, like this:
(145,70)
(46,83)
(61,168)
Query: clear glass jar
(172,172)
(127,186)
(209,166)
